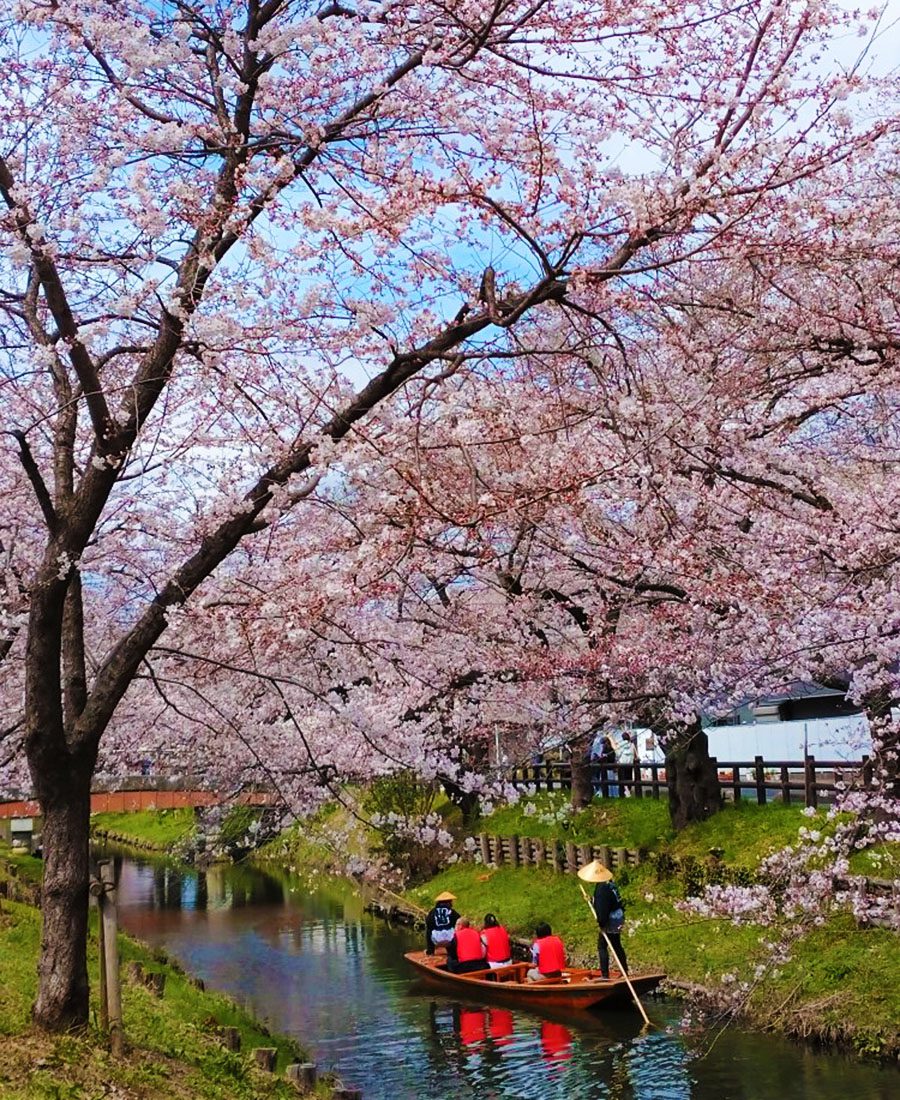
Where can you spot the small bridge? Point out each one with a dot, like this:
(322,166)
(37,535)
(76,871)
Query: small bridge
(136,792)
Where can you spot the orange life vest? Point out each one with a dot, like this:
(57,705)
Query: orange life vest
(551,955)
(468,945)
(497,941)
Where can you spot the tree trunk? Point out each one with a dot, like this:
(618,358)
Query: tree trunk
(467,801)
(62,1002)
(886,745)
(693,783)
(582,785)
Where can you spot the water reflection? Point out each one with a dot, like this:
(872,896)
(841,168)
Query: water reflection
(312,963)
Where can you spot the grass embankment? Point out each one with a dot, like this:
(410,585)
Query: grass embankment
(157,830)
(841,984)
(329,840)
(172,1053)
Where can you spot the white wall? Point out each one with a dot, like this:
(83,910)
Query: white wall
(845,738)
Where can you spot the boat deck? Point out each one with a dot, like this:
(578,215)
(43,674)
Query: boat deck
(578,987)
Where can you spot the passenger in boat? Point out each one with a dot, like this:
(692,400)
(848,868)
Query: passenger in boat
(609,909)
(440,922)
(465,952)
(496,943)
(548,955)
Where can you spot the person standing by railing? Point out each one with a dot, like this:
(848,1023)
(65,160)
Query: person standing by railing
(626,755)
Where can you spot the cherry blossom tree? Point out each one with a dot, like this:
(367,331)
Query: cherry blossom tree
(245,242)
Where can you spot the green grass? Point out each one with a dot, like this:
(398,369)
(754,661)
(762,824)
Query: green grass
(745,831)
(644,822)
(172,1052)
(161,829)
(323,841)
(879,861)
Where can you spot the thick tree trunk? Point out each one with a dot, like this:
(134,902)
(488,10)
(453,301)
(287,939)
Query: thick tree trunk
(62,1002)
(582,785)
(693,782)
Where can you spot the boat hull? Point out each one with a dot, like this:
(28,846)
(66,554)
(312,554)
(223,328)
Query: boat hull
(578,989)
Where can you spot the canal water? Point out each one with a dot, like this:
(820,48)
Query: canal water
(308,960)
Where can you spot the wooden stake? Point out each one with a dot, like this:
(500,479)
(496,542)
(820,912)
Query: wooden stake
(612,952)
(108,919)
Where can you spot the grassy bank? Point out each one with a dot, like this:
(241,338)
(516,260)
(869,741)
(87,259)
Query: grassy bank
(172,1051)
(157,830)
(841,984)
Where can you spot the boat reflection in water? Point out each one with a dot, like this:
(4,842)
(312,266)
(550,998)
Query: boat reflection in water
(556,1041)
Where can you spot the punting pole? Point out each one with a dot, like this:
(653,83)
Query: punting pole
(637,999)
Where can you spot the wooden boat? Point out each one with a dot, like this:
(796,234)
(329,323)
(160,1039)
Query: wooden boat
(578,988)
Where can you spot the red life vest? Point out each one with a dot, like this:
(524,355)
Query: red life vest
(497,941)
(552,955)
(468,945)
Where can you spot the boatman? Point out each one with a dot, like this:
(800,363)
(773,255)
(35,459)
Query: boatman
(440,922)
(609,909)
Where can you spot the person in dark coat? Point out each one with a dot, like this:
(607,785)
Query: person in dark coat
(440,922)
(609,909)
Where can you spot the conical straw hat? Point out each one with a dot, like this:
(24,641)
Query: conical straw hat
(595,872)
(446,896)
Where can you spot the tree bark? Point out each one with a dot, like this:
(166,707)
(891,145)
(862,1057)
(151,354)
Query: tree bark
(693,783)
(886,745)
(62,1001)
(582,785)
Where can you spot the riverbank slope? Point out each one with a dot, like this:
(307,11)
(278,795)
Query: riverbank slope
(173,1050)
(840,984)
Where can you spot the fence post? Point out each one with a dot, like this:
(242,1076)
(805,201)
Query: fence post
(554,854)
(638,781)
(621,857)
(540,851)
(107,902)
(760,781)
(485,848)
(867,770)
(654,779)
(584,855)
(265,1058)
(571,862)
(604,856)
(736,782)
(809,781)
(785,785)
(514,850)
(96,889)
(303,1074)
(231,1038)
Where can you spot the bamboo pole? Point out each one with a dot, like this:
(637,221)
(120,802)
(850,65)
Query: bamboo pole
(637,999)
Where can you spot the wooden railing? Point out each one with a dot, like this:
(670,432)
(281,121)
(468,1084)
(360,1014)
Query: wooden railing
(561,855)
(764,780)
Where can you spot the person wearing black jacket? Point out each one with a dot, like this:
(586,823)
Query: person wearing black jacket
(609,909)
(440,922)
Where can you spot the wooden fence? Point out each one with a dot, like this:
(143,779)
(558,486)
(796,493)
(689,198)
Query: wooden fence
(562,856)
(764,780)
(565,857)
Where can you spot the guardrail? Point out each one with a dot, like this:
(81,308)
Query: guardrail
(758,778)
